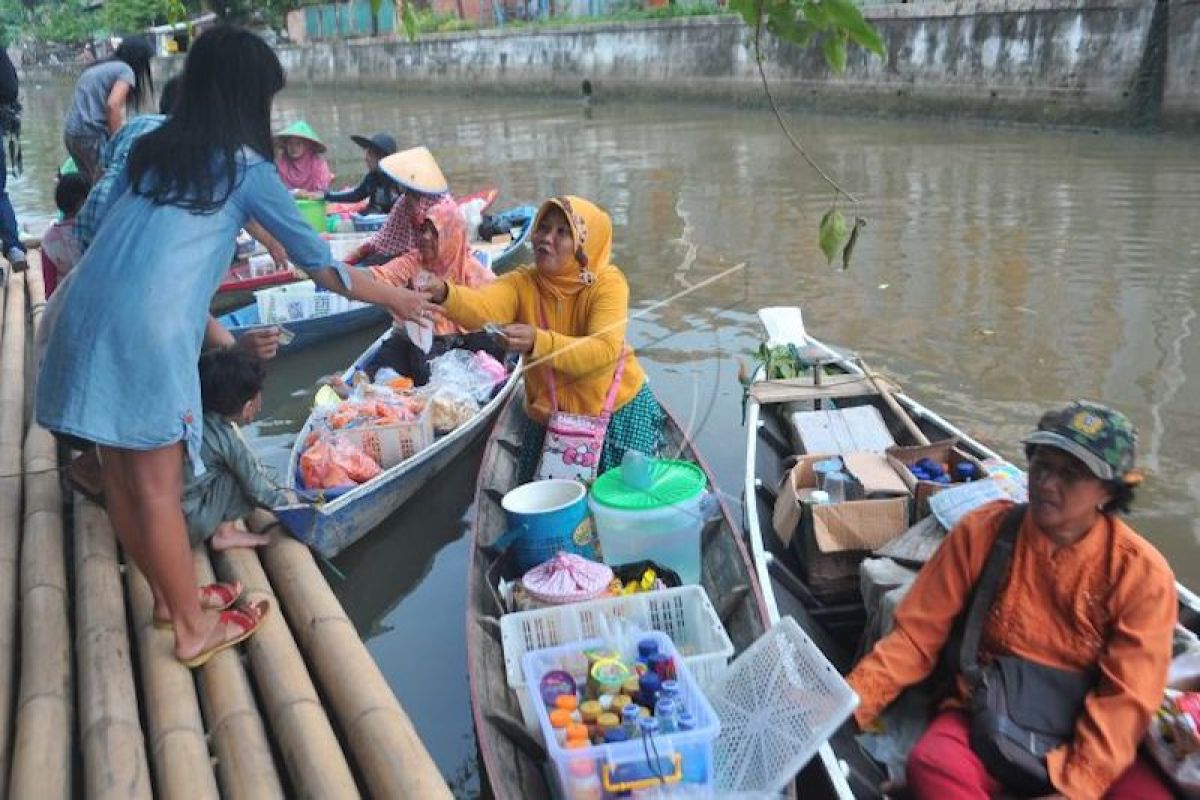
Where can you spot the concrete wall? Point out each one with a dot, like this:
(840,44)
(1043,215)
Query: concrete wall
(1105,62)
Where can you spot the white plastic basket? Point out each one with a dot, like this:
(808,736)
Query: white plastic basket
(299,301)
(388,445)
(684,756)
(778,702)
(683,613)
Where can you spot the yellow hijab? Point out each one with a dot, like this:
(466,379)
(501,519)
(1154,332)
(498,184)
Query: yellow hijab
(591,228)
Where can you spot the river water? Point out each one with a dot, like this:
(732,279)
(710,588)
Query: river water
(1002,270)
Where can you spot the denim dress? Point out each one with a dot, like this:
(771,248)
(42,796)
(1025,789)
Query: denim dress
(125,329)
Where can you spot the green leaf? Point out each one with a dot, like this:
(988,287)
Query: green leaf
(816,15)
(834,45)
(831,233)
(847,17)
(848,251)
(410,21)
(748,9)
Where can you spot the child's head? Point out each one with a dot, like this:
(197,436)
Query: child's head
(231,382)
(70,193)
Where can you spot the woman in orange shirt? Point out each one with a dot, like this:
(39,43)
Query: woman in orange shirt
(443,253)
(1083,592)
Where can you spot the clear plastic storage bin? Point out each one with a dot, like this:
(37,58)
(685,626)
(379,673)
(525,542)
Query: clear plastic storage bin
(684,613)
(671,758)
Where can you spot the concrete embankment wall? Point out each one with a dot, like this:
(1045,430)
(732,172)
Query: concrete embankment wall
(1127,63)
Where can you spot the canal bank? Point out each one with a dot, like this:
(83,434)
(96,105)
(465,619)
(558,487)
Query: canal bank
(1111,63)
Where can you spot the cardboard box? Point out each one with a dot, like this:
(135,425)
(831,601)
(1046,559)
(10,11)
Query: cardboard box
(944,452)
(856,525)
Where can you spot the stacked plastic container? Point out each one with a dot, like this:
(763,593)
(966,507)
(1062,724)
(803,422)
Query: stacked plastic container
(614,769)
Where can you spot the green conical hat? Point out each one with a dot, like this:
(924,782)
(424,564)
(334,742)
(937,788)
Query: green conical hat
(302,130)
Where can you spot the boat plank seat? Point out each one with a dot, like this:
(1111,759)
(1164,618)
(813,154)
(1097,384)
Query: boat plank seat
(832,387)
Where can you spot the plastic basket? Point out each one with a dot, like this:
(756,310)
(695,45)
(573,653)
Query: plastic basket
(685,756)
(778,702)
(300,301)
(368,222)
(388,445)
(683,613)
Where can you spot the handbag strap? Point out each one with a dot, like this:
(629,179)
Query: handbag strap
(610,399)
(984,594)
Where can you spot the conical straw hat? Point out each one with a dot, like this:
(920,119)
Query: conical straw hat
(302,130)
(415,169)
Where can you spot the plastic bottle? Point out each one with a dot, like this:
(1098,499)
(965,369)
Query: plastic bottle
(673,690)
(837,484)
(606,723)
(648,686)
(664,712)
(616,736)
(630,715)
(577,732)
(966,472)
(646,647)
(584,783)
(569,703)
(819,497)
(694,767)
(560,718)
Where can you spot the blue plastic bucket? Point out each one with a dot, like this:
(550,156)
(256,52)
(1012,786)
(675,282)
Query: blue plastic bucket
(545,518)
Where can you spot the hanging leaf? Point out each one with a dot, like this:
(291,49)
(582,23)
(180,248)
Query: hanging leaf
(847,17)
(409,17)
(831,233)
(748,9)
(834,45)
(859,224)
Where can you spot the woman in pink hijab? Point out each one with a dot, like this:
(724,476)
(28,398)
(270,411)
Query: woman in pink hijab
(299,157)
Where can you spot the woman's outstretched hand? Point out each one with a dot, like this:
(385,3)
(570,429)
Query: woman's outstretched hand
(428,282)
(409,305)
(518,337)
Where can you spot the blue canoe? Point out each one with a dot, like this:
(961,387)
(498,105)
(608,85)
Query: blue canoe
(501,255)
(332,525)
(308,332)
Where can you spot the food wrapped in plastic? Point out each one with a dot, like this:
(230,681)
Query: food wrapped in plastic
(451,407)
(333,464)
(460,368)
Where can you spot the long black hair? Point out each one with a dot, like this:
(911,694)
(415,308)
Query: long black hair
(136,52)
(224,104)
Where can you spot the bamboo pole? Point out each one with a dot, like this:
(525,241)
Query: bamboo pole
(110,730)
(178,749)
(311,751)
(386,747)
(245,768)
(43,742)
(12,423)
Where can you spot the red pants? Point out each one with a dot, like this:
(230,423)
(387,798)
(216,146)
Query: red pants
(942,766)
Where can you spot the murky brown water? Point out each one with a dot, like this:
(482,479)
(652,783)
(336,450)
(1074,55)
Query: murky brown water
(1002,270)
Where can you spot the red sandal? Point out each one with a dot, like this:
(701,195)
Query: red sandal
(245,619)
(213,597)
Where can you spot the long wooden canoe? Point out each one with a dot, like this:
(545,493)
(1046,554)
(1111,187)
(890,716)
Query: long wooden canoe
(332,526)
(511,758)
(834,623)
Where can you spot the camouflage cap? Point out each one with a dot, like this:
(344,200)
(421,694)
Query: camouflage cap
(1101,437)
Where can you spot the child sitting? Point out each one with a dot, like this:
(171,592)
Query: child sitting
(234,483)
(61,250)
(299,159)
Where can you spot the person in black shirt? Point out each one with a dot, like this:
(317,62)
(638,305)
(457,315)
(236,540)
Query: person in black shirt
(10,123)
(380,191)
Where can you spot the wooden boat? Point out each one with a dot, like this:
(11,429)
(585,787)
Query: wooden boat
(511,758)
(307,332)
(331,526)
(834,623)
(501,254)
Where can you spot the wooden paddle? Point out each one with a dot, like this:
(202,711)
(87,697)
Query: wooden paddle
(893,404)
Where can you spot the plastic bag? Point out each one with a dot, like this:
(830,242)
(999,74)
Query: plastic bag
(460,368)
(333,464)
(489,366)
(450,407)
(472,214)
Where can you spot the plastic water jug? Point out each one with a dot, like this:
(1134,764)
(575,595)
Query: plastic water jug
(652,509)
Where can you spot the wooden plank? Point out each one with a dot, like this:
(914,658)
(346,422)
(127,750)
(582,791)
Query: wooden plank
(385,746)
(245,767)
(43,741)
(310,750)
(178,750)
(802,389)
(12,424)
(110,730)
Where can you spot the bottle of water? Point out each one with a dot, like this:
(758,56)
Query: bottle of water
(630,715)
(672,690)
(664,712)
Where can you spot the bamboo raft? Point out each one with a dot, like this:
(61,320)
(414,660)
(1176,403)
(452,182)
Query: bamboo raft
(92,700)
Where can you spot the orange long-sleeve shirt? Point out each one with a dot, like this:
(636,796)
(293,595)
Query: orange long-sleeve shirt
(1106,600)
(582,341)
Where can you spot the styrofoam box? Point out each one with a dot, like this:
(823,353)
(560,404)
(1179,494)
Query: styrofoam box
(299,301)
(694,747)
(683,613)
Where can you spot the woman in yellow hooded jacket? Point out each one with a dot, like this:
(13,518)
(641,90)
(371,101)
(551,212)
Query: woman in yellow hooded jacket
(567,314)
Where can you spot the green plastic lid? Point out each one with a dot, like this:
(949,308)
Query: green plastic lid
(671,482)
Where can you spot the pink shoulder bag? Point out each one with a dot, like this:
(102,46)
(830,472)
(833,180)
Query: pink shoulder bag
(573,442)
